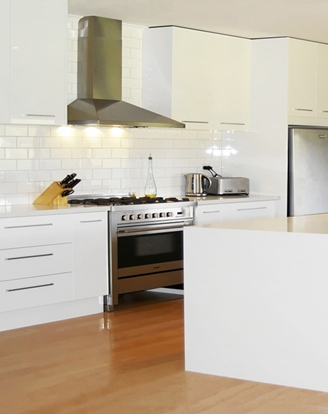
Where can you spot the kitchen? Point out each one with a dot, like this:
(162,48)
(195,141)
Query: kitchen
(33,156)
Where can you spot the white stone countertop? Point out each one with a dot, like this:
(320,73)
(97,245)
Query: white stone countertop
(311,224)
(213,199)
(42,210)
(32,210)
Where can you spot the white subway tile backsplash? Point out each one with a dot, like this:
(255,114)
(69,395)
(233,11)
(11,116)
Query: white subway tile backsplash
(92,163)
(72,164)
(7,142)
(16,130)
(102,153)
(28,142)
(61,153)
(16,176)
(51,164)
(28,165)
(40,175)
(15,153)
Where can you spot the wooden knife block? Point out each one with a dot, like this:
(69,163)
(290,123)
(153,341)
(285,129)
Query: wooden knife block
(52,196)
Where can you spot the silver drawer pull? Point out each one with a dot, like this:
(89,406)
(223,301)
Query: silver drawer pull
(196,122)
(29,257)
(303,109)
(28,225)
(41,115)
(30,287)
(212,212)
(91,221)
(251,208)
(232,123)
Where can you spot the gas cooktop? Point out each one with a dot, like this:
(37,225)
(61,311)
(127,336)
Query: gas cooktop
(124,201)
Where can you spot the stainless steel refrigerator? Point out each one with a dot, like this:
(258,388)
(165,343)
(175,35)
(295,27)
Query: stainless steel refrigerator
(307,171)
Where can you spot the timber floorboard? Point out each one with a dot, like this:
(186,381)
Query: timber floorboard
(127,361)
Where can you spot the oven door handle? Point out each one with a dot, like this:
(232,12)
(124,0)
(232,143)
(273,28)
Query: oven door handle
(148,230)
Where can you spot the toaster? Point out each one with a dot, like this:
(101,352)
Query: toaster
(228,185)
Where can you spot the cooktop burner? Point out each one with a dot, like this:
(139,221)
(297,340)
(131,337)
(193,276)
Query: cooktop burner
(124,201)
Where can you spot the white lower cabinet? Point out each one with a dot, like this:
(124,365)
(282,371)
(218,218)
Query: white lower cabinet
(90,255)
(247,210)
(52,259)
(36,261)
(35,291)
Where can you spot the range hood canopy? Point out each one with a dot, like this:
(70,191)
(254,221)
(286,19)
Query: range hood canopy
(99,87)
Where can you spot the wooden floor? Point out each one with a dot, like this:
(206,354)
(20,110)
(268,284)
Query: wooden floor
(127,361)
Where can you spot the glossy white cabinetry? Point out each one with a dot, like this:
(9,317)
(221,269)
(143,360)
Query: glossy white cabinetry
(244,210)
(37,36)
(302,79)
(5,60)
(199,78)
(51,259)
(322,81)
(90,254)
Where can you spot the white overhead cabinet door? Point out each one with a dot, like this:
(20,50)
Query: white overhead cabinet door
(5,61)
(33,71)
(199,78)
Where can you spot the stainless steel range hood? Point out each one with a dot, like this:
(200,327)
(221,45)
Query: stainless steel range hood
(100,80)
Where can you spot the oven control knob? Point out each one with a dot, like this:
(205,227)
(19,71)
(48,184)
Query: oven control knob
(155,215)
(132,217)
(162,214)
(169,214)
(147,215)
(140,216)
(125,217)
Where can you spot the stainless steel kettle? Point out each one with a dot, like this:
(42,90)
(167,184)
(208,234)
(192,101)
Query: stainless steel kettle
(197,184)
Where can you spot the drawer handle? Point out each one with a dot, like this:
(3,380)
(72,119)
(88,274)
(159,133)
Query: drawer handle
(196,122)
(28,225)
(212,212)
(30,287)
(29,257)
(303,109)
(251,208)
(91,221)
(41,115)
(232,123)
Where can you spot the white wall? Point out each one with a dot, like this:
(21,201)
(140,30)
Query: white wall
(31,157)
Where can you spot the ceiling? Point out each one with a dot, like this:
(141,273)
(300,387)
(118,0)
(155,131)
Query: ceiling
(304,19)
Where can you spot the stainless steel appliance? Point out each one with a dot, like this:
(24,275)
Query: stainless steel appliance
(197,184)
(228,186)
(307,171)
(100,80)
(145,242)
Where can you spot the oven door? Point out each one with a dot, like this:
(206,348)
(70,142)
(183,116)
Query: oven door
(149,249)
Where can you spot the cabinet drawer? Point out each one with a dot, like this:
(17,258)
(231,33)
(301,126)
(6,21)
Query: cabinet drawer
(34,231)
(254,210)
(35,261)
(212,213)
(35,291)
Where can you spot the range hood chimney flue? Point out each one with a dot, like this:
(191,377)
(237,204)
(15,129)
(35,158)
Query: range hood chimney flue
(100,80)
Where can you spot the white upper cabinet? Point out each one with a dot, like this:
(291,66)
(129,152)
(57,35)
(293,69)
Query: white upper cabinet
(302,78)
(199,78)
(37,59)
(322,81)
(231,106)
(307,83)
(5,60)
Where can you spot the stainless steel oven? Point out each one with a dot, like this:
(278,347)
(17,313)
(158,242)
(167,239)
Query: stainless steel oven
(146,246)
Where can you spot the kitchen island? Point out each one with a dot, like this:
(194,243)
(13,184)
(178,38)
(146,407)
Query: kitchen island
(256,303)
